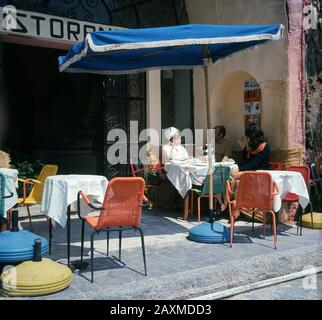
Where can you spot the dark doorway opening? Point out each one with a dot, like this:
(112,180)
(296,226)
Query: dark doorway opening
(53,117)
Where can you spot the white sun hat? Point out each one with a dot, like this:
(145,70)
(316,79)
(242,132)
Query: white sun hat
(170,132)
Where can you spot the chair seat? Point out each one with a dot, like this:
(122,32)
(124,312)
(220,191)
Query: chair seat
(291,197)
(27,201)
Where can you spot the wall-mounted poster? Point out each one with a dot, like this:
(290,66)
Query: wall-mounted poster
(252,108)
(252,103)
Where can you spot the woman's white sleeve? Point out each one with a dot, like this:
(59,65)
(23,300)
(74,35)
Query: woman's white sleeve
(167,153)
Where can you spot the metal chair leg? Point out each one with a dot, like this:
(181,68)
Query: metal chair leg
(311,209)
(277,223)
(68,235)
(191,203)
(29,216)
(198,201)
(274,227)
(143,251)
(82,240)
(253,221)
(232,227)
(298,215)
(9,219)
(299,222)
(50,226)
(120,244)
(264,225)
(107,242)
(92,256)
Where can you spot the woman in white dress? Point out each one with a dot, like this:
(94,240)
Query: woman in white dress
(174,150)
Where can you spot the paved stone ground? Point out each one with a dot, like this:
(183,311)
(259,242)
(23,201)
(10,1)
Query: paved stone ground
(177,267)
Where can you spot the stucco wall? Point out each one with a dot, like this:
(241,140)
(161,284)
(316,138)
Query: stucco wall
(267,64)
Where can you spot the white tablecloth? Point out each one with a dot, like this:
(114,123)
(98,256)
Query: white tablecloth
(61,191)
(180,174)
(12,183)
(289,181)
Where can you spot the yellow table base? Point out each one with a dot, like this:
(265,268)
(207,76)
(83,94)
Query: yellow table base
(35,278)
(317,220)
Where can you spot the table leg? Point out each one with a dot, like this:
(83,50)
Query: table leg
(68,235)
(9,219)
(186,206)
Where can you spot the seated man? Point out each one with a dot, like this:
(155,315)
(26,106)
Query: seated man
(173,150)
(222,147)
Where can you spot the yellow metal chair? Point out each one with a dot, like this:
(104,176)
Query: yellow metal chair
(35,194)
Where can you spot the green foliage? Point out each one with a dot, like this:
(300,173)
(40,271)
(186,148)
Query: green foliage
(27,170)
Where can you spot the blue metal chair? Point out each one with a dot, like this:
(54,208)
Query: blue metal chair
(220,175)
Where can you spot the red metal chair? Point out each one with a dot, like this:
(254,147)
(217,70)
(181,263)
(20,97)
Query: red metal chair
(139,172)
(136,172)
(291,197)
(276,166)
(121,210)
(254,193)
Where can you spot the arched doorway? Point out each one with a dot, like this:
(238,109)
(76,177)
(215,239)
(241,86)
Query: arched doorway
(237,102)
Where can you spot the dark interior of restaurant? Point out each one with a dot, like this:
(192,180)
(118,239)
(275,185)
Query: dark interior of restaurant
(53,117)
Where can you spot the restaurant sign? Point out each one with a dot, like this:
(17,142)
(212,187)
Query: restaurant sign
(47,27)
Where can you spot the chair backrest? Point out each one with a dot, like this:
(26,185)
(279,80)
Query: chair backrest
(275,165)
(122,203)
(219,177)
(304,170)
(255,190)
(37,190)
(136,170)
(133,171)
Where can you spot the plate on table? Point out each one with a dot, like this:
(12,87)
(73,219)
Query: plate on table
(200,164)
(179,161)
(197,162)
(226,162)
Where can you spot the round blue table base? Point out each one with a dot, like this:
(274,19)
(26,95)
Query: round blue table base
(19,246)
(209,233)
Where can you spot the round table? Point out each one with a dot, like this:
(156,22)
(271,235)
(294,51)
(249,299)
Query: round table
(12,183)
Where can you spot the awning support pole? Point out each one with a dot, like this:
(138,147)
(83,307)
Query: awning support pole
(210,144)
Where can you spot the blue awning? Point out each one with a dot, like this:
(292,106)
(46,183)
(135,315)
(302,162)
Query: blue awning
(185,47)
